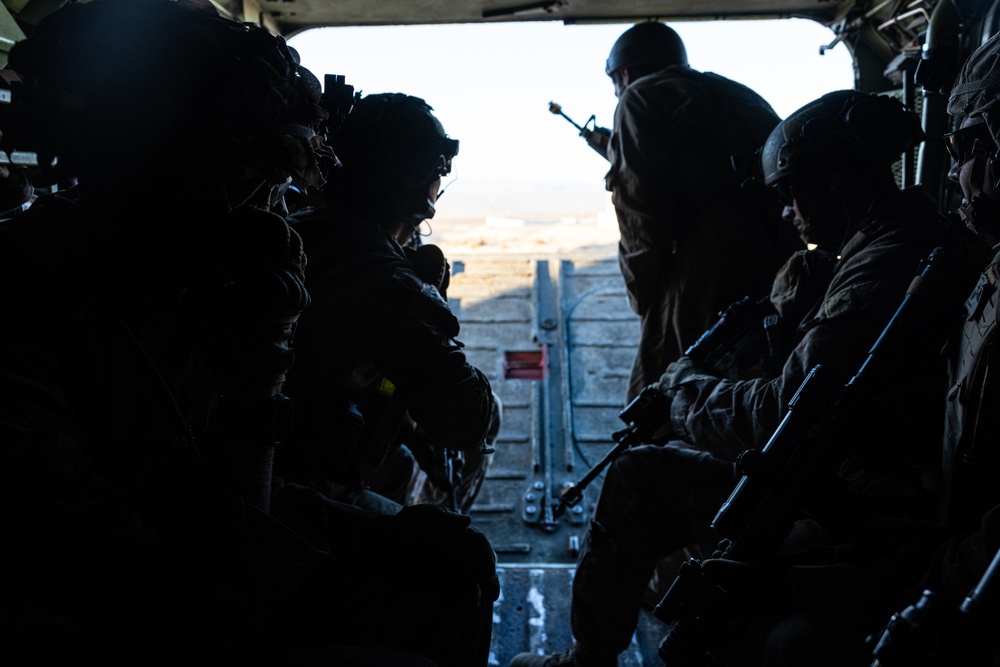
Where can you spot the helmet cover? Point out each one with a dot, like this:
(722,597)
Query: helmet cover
(645,44)
(977,89)
(873,128)
(392,141)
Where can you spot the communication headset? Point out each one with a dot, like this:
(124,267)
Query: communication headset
(392,145)
(422,208)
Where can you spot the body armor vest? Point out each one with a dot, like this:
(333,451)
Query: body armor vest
(973,419)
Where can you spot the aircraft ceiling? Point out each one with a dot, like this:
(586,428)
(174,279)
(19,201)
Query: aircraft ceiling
(291,16)
(877,32)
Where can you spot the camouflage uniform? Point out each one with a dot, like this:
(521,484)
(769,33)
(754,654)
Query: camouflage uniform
(658,499)
(692,241)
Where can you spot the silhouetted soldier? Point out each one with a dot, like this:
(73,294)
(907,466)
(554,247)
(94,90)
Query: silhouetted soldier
(693,240)
(154,311)
(832,161)
(377,354)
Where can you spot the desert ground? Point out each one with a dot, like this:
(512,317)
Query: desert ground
(458,237)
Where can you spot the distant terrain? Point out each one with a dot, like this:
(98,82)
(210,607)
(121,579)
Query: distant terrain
(524,218)
(463,237)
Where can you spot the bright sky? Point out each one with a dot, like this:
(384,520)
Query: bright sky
(491,84)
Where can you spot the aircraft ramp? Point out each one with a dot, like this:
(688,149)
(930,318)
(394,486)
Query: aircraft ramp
(556,338)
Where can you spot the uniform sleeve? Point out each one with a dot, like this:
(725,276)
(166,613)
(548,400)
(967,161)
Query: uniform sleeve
(643,192)
(725,417)
(447,396)
(373,318)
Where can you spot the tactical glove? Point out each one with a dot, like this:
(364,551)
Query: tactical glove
(748,581)
(678,370)
(598,139)
(677,373)
(430,264)
(649,414)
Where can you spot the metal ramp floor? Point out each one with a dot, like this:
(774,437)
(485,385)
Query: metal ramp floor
(556,338)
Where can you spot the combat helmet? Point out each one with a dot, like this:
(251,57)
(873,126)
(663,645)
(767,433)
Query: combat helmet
(873,128)
(112,85)
(392,148)
(977,89)
(976,93)
(645,44)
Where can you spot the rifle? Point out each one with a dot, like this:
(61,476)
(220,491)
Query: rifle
(802,457)
(930,634)
(721,350)
(737,336)
(597,138)
(443,466)
(640,417)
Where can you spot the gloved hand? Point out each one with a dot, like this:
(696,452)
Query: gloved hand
(598,139)
(649,414)
(677,373)
(721,549)
(244,312)
(432,267)
(460,556)
(749,582)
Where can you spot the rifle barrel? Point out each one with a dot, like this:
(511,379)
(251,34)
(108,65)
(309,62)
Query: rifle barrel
(573,494)
(556,109)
